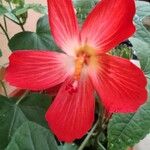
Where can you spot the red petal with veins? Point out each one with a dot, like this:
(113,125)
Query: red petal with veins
(72,113)
(120,84)
(109,24)
(63,24)
(37,70)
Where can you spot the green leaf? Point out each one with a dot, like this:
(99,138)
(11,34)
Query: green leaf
(32,107)
(24,9)
(31,136)
(83,8)
(143,10)
(141,40)
(0,53)
(11,13)
(39,40)
(3,10)
(146,22)
(16,2)
(148,84)
(142,50)
(127,129)
(122,51)
(11,118)
(20,10)
(12,17)
(39,8)
(142,33)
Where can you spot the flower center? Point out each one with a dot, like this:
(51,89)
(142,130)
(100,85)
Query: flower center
(85,56)
(81,60)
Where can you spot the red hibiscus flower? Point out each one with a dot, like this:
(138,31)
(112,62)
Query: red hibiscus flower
(84,66)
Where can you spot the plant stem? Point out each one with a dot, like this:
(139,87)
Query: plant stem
(5,23)
(101,146)
(20,23)
(4,88)
(10,6)
(88,136)
(5,32)
(11,20)
(22,97)
(22,27)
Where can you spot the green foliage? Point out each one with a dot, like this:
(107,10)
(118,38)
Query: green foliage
(141,40)
(11,11)
(127,129)
(143,10)
(12,17)
(142,50)
(3,10)
(122,51)
(38,8)
(24,9)
(83,8)
(13,115)
(31,136)
(39,40)
(17,2)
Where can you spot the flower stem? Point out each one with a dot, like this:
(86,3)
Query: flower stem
(88,136)
(22,97)
(5,32)
(101,146)
(4,88)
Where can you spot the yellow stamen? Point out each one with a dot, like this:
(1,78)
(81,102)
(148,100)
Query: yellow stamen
(79,63)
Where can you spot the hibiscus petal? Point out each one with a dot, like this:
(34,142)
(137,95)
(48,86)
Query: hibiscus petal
(109,24)
(72,113)
(38,70)
(63,23)
(120,84)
